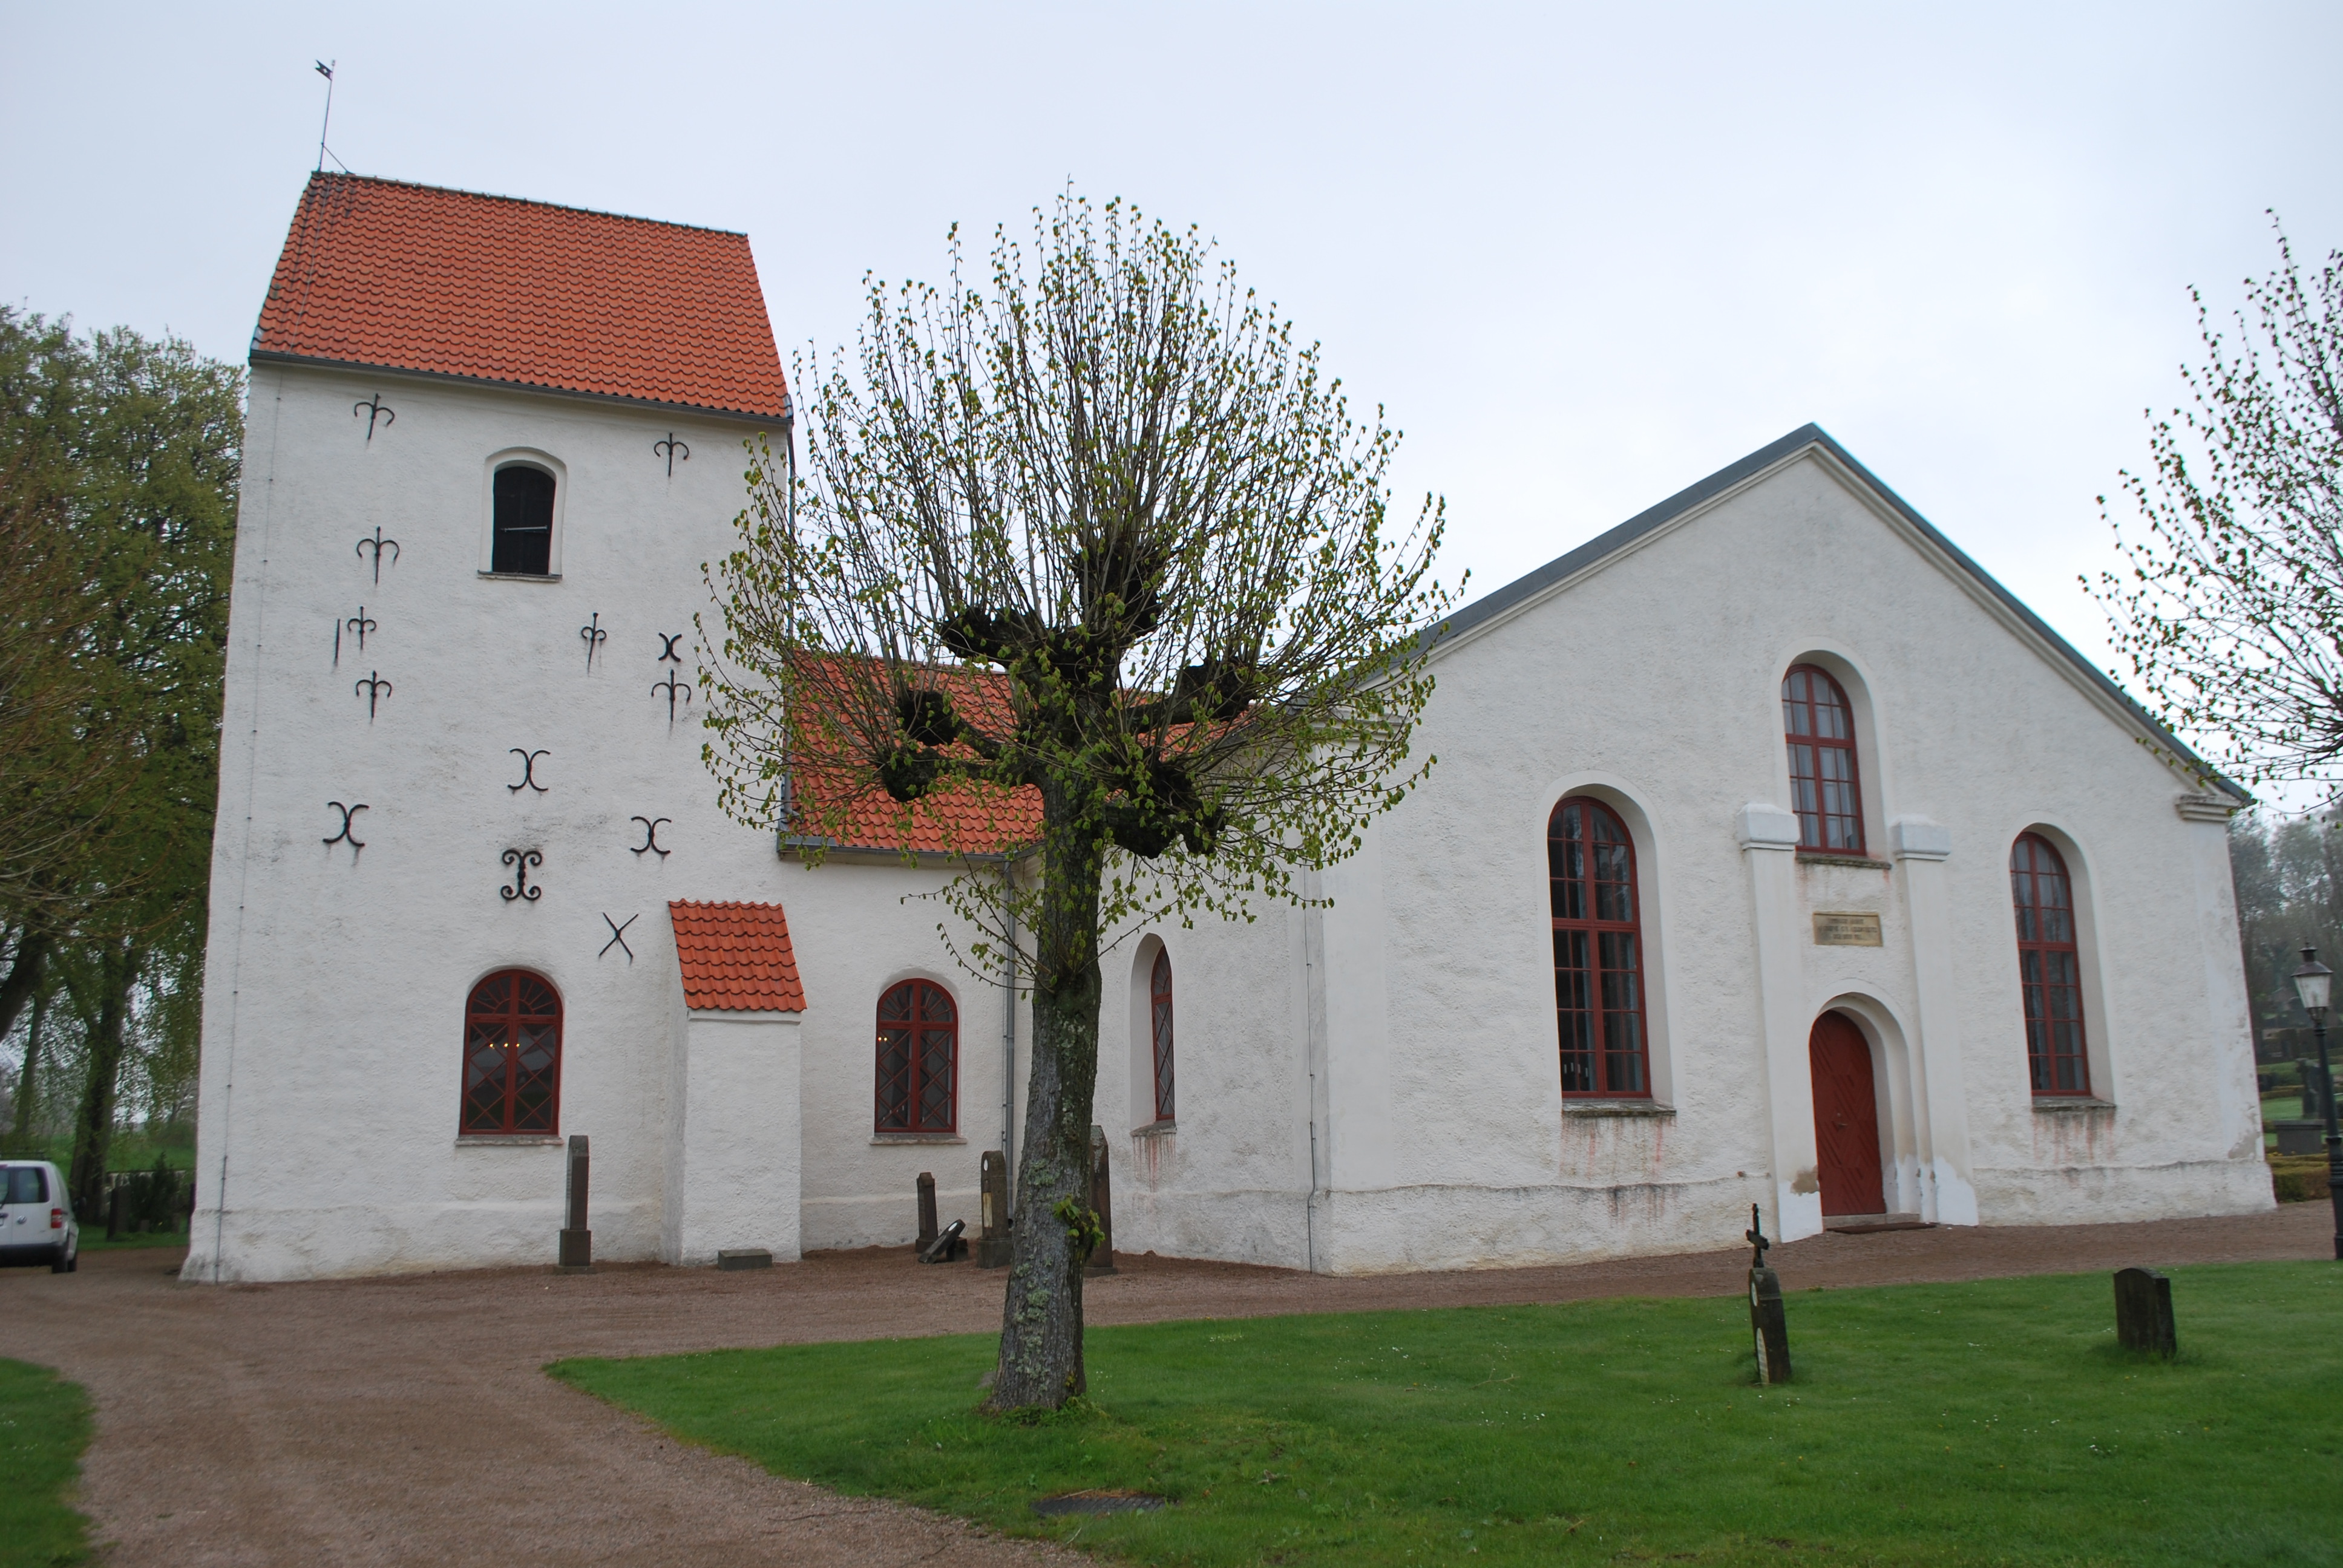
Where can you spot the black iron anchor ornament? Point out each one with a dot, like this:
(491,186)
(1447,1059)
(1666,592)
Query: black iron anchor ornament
(527,769)
(376,688)
(343,835)
(671,449)
(373,408)
(651,836)
(618,936)
(378,544)
(520,860)
(593,634)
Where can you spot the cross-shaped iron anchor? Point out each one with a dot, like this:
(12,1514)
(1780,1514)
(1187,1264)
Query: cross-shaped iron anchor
(618,936)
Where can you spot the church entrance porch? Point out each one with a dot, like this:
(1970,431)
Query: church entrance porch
(1847,1120)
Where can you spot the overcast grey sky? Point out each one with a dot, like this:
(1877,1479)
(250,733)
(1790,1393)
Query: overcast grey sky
(1583,255)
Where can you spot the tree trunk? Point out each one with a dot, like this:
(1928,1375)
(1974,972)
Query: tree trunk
(28,1081)
(25,976)
(1041,1320)
(93,1126)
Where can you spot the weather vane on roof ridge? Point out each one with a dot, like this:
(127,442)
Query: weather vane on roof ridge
(325,68)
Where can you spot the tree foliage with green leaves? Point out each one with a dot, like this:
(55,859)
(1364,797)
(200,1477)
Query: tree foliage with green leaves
(2230,605)
(1089,564)
(119,456)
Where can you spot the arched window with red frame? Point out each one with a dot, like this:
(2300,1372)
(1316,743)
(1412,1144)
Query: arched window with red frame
(1598,961)
(1159,1012)
(919,1059)
(2049,966)
(512,1056)
(1824,791)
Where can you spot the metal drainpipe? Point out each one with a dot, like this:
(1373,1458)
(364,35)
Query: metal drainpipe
(1009,1051)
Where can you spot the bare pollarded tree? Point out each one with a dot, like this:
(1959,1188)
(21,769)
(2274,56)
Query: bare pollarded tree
(2230,608)
(1089,564)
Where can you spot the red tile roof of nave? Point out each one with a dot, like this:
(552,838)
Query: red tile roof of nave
(961,818)
(736,958)
(413,278)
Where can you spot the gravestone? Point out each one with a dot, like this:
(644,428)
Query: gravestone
(2144,1312)
(1101,1259)
(927,1213)
(577,1240)
(1769,1326)
(993,1247)
(948,1247)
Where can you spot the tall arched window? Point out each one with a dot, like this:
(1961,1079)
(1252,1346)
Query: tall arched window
(2049,966)
(919,1059)
(523,542)
(1159,997)
(1824,791)
(1598,979)
(512,1055)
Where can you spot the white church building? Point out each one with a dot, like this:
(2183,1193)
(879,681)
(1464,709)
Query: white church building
(1775,855)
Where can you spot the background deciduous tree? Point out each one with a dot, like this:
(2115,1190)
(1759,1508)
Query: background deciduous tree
(1092,545)
(2230,608)
(119,455)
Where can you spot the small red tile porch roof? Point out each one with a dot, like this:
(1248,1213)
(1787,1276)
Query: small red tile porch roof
(736,958)
(403,276)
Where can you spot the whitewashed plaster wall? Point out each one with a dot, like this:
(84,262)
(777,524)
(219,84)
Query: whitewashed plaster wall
(1654,681)
(736,1171)
(1229,1178)
(337,980)
(1394,1055)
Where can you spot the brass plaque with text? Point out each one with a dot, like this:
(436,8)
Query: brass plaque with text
(1847,931)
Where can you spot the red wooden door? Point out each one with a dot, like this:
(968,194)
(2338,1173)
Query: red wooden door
(1847,1117)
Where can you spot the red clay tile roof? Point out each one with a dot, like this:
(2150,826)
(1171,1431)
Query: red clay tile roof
(412,277)
(736,958)
(962,818)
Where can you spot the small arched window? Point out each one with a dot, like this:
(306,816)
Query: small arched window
(1820,726)
(2049,966)
(1598,962)
(919,1059)
(1158,998)
(512,1056)
(523,541)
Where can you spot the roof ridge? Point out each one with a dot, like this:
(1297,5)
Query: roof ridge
(328,176)
(1611,541)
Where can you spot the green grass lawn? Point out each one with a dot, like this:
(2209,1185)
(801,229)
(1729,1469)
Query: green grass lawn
(92,1240)
(44,1427)
(1987,1422)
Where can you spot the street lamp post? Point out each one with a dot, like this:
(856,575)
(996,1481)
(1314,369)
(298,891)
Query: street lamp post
(2312,984)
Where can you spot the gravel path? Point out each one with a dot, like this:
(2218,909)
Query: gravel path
(404,1420)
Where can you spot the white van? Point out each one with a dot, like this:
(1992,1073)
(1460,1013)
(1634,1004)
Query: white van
(36,1220)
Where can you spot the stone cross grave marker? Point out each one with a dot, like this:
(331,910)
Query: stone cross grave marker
(1769,1326)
